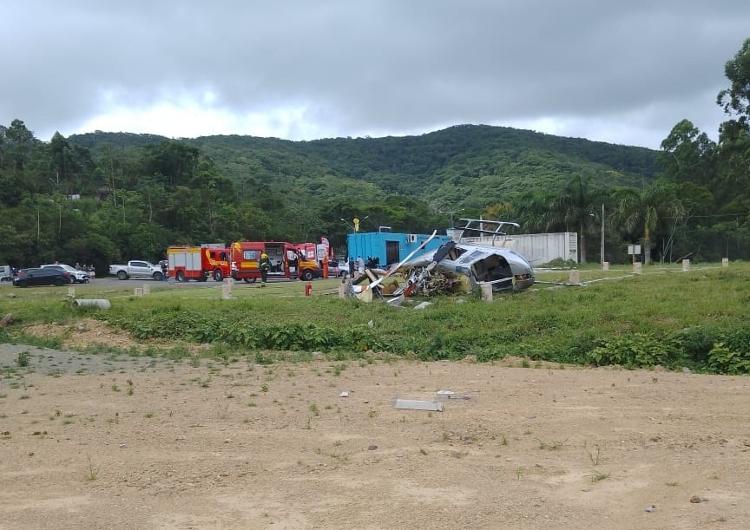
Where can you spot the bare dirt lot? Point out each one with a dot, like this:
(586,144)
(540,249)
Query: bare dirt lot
(107,442)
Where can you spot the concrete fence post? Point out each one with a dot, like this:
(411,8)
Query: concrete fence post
(146,289)
(226,289)
(686,265)
(605,266)
(724,263)
(138,291)
(637,269)
(486,292)
(574,277)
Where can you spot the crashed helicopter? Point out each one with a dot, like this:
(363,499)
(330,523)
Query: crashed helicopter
(478,258)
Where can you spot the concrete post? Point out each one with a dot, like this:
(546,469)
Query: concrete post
(226,289)
(486,292)
(637,267)
(686,265)
(574,277)
(139,291)
(72,292)
(724,263)
(605,266)
(146,289)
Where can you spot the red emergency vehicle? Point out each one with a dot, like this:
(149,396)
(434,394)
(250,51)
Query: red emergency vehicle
(287,262)
(199,262)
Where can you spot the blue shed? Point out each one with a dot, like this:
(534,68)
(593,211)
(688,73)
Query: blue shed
(388,247)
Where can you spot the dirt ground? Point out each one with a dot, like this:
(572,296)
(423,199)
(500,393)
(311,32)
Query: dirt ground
(114,442)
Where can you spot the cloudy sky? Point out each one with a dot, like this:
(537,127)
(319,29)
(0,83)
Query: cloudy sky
(613,70)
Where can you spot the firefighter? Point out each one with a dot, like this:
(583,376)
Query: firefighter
(264,265)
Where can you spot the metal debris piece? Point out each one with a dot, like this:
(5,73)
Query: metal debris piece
(651,508)
(345,393)
(416,404)
(423,305)
(445,392)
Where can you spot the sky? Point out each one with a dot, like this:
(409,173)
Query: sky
(611,70)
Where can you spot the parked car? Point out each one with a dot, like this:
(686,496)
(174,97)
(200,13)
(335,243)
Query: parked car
(76,275)
(337,270)
(137,269)
(48,276)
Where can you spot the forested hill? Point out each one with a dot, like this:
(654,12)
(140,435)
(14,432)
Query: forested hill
(461,166)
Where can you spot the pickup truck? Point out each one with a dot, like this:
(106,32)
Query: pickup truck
(137,269)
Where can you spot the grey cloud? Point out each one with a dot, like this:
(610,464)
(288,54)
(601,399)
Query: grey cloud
(368,66)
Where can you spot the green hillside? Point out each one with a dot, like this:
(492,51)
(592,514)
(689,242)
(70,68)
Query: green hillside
(465,166)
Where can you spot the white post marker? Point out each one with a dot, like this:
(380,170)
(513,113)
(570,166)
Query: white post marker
(605,266)
(146,289)
(226,289)
(686,265)
(72,292)
(486,292)
(574,277)
(139,291)
(637,267)
(724,263)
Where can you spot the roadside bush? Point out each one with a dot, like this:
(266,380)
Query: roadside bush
(634,350)
(723,360)
(694,343)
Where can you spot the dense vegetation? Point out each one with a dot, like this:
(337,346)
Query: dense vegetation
(99,197)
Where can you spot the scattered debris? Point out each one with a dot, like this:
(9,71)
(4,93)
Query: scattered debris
(415,404)
(695,499)
(344,393)
(445,393)
(423,305)
(651,508)
(372,447)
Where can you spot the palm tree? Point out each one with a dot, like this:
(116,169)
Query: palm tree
(574,206)
(641,211)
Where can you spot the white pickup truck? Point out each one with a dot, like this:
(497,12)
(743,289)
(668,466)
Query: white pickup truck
(137,269)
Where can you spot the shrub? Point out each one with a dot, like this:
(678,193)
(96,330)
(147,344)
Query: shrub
(633,350)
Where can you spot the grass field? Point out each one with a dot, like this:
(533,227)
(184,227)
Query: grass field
(697,319)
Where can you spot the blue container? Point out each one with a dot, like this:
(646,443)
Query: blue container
(388,247)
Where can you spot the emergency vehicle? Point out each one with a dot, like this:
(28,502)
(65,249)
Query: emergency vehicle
(199,263)
(287,261)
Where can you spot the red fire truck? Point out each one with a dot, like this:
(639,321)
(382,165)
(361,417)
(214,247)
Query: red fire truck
(199,263)
(287,262)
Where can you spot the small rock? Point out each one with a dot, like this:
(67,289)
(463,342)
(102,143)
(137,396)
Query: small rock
(686,370)
(695,499)
(372,447)
(423,305)
(371,324)
(7,320)
(227,441)
(123,446)
(345,393)
(651,508)
(180,438)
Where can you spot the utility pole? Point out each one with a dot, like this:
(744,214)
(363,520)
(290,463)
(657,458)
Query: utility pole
(602,243)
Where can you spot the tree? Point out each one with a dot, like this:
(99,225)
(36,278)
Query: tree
(643,212)
(575,206)
(735,100)
(688,154)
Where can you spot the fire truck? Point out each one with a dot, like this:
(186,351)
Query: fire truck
(199,262)
(287,261)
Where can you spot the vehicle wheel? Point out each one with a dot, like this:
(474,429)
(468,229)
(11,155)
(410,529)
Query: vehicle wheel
(122,275)
(158,276)
(218,275)
(180,276)
(307,275)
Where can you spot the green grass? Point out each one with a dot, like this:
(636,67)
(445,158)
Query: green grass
(696,319)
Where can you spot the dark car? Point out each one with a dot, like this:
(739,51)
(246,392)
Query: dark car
(47,276)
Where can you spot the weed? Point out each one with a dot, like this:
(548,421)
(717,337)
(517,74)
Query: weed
(130,387)
(314,409)
(93,472)
(503,440)
(673,483)
(264,387)
(148,415)
(22,359)
(593,454)
(115,388)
